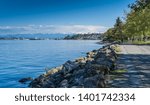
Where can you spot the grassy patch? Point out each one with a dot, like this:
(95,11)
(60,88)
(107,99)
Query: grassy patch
(141,42)
(117,49)
(120,71)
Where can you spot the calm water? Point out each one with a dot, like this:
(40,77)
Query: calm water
(26,58)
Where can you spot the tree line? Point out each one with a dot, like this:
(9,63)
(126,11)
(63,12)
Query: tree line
(135,26)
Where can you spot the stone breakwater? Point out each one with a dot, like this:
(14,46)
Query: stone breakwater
(86,72)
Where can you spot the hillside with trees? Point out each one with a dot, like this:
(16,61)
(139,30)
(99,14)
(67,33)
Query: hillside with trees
(89,36)
(134,27)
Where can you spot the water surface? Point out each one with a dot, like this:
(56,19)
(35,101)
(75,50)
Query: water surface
(28,58)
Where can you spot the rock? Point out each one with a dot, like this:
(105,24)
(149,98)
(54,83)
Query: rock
(64,83)
(58,79)
(54,70)
(94,82)
(90,54)
(41,78)
(24,80)
(101,84)
(68,76)
(101,69)
(90,59)
(37,82)
(59,68)
(77,78)
(79,81)
(77,87)
(79,73)
(82,59)
(84,72)
(90,82)
(44,82)
(100,55)
(90,72)
(94,69)
(37,86)
(95,51)
(69,66)
(48,84)
(113,53)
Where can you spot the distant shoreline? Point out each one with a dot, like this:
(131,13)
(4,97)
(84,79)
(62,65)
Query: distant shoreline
(31,38)
(42,39)
(88,36)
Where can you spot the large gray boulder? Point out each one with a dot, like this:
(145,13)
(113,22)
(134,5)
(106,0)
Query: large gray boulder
(69,66)
(96,81)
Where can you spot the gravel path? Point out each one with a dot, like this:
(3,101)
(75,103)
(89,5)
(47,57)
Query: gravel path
(136,60)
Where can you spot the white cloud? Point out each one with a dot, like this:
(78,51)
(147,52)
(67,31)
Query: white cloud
(50,29)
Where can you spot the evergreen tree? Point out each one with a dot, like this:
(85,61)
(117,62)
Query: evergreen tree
(118,27)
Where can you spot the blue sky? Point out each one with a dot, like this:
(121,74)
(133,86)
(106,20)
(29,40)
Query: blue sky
(86,15)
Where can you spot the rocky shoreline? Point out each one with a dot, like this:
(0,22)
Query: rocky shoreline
(86,72)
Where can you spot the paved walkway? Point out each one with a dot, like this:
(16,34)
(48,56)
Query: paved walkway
(136,60)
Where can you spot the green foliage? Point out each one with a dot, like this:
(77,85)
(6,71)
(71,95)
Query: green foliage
(136,25)
(115,33)
(89,36)
(141,42)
